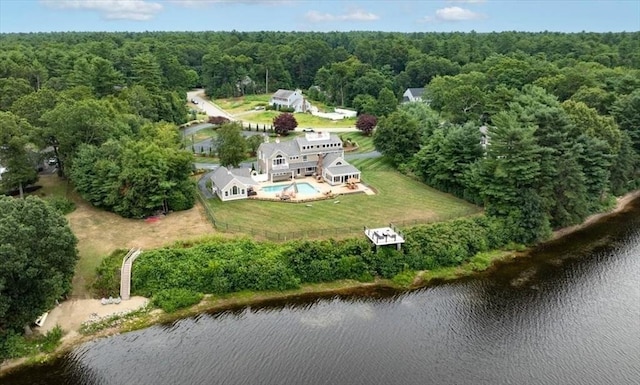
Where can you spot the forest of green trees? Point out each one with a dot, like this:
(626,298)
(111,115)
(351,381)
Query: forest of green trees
(561,111)
(541,129)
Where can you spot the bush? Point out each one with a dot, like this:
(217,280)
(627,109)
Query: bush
(171,300)
(217,120)
(13,345)
(50,341)
(404,279)
(61,204)
(107,280)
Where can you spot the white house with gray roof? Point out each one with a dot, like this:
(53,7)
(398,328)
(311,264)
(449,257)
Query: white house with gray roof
(290,99)
(412,95)
(317,153)
(232,184)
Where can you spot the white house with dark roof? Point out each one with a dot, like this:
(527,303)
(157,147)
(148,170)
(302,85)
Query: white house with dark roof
(317,154)
(412,95)
(290,99)
(232,184)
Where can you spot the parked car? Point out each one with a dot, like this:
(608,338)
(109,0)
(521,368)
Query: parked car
(194,101)
(52,161)
(308,130)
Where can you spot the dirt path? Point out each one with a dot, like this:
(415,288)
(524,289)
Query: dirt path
(71,314)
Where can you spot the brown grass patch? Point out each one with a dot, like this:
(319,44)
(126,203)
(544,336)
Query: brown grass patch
(100,232)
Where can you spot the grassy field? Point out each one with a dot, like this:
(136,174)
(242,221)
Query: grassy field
(399,199)
(242,104)
(304,120)
(100,232)
(245,106)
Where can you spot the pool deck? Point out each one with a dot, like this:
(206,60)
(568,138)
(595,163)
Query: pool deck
(326,191)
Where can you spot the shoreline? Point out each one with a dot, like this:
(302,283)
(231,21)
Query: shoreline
(73,338)
(621,205)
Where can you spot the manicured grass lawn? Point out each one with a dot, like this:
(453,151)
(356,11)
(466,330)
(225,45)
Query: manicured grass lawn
(304,120)
(241,104)
(365,143)
(399,199)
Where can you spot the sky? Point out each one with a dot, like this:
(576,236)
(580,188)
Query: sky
(328,15)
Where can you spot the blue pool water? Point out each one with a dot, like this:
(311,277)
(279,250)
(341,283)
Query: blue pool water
(303,188)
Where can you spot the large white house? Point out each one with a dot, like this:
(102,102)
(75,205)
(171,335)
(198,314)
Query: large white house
(290,99)
(317,153)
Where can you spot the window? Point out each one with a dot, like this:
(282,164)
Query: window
(304,158)
(234,190)
(278,160)
(226,193)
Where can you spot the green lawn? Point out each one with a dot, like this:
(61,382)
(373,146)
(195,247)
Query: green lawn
(364,143)
(242,104)
(399,199)
(304,120)
(199,136)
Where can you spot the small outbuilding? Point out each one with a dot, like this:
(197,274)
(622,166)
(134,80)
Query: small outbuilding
(232,184)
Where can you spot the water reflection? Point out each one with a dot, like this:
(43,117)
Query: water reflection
(569,314)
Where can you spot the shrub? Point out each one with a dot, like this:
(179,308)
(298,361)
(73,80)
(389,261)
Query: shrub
(50,341)
(61,204)
(171,300)
(13,345)
(404,278)
(218,120)
(107,280)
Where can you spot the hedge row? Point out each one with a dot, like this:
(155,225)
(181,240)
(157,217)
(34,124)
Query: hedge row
(224,266)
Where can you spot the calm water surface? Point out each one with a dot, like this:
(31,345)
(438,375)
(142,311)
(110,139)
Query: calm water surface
(570,314)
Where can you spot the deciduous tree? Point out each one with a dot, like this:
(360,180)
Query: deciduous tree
(398,136)
(284,123)
(14,154)
(366,123)
(37,259)
(231,145)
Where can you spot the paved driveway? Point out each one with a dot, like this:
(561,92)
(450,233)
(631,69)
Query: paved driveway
(206,106)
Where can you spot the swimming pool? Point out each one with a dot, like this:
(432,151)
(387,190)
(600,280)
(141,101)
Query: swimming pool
(303,188)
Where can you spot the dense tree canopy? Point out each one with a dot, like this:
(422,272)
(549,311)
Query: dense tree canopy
(16,156)
(573,99)
(231,145)
(37,259)
(136,178)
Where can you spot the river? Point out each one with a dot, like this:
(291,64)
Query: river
(568,314)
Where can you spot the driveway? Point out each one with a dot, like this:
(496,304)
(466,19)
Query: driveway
(195,128)
(206,106)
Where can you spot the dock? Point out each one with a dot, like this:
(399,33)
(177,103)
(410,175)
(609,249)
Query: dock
(384,236)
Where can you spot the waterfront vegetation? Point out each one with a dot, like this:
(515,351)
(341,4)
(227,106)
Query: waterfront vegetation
(222,266)
(15,345)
